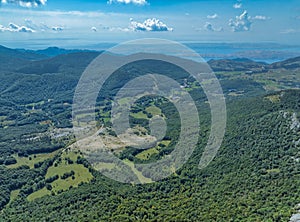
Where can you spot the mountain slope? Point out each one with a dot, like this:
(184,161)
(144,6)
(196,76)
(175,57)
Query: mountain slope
(62,63)
(254,177)
(55,51)
(20,54)
(293,63)
(241,64)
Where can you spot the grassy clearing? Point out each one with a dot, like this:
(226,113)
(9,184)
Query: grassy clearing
(195,85)
(13,195)
(274,98)
(101,166)
(82,174)
(7,123)
(60,167)
(139,115)
(83,115)
(46,122)
(32,159)
(38,194)
(276,170)
(139,175)
(269,85)
(104,114)
(146,154)
(124,101)
(166,142)
(153,110)
(2,118)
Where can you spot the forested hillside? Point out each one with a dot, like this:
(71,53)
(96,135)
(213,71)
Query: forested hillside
(254,177)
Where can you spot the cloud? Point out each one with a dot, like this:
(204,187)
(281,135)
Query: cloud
(110,28)
(42,26)
(260,17)
(237,5)
(135,2)
(241,23)
(57,28)
(289,31)
(209,27)
(30,24)
(113,29)
(25,29)
(16,28)
(25,3)
(150,25)
(214,16)
(13,26)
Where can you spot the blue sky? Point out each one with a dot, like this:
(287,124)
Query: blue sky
(43,23)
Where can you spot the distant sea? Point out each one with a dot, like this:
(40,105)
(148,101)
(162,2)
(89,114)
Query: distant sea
(261,52)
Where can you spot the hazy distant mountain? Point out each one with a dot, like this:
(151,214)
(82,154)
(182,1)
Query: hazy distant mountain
(55,51)
(43,61)
(244,64)
(52,59)
(258,55)
(10,59)
(20,54)
(268,52)
(77,61)
(240,64)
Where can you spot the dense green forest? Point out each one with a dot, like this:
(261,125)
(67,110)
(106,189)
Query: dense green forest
(254,177)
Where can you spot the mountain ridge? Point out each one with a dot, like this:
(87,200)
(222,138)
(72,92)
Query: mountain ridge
(18,59)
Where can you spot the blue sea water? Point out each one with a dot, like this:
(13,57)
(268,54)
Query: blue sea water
(262,52)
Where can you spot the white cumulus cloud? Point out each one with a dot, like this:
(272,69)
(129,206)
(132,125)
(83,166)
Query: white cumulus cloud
(214,16)
(150,25)
(241,23)
(237,5)
(260,17)
(135,2)
(209,27)
(94,29)
(25,3)
(16,28)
